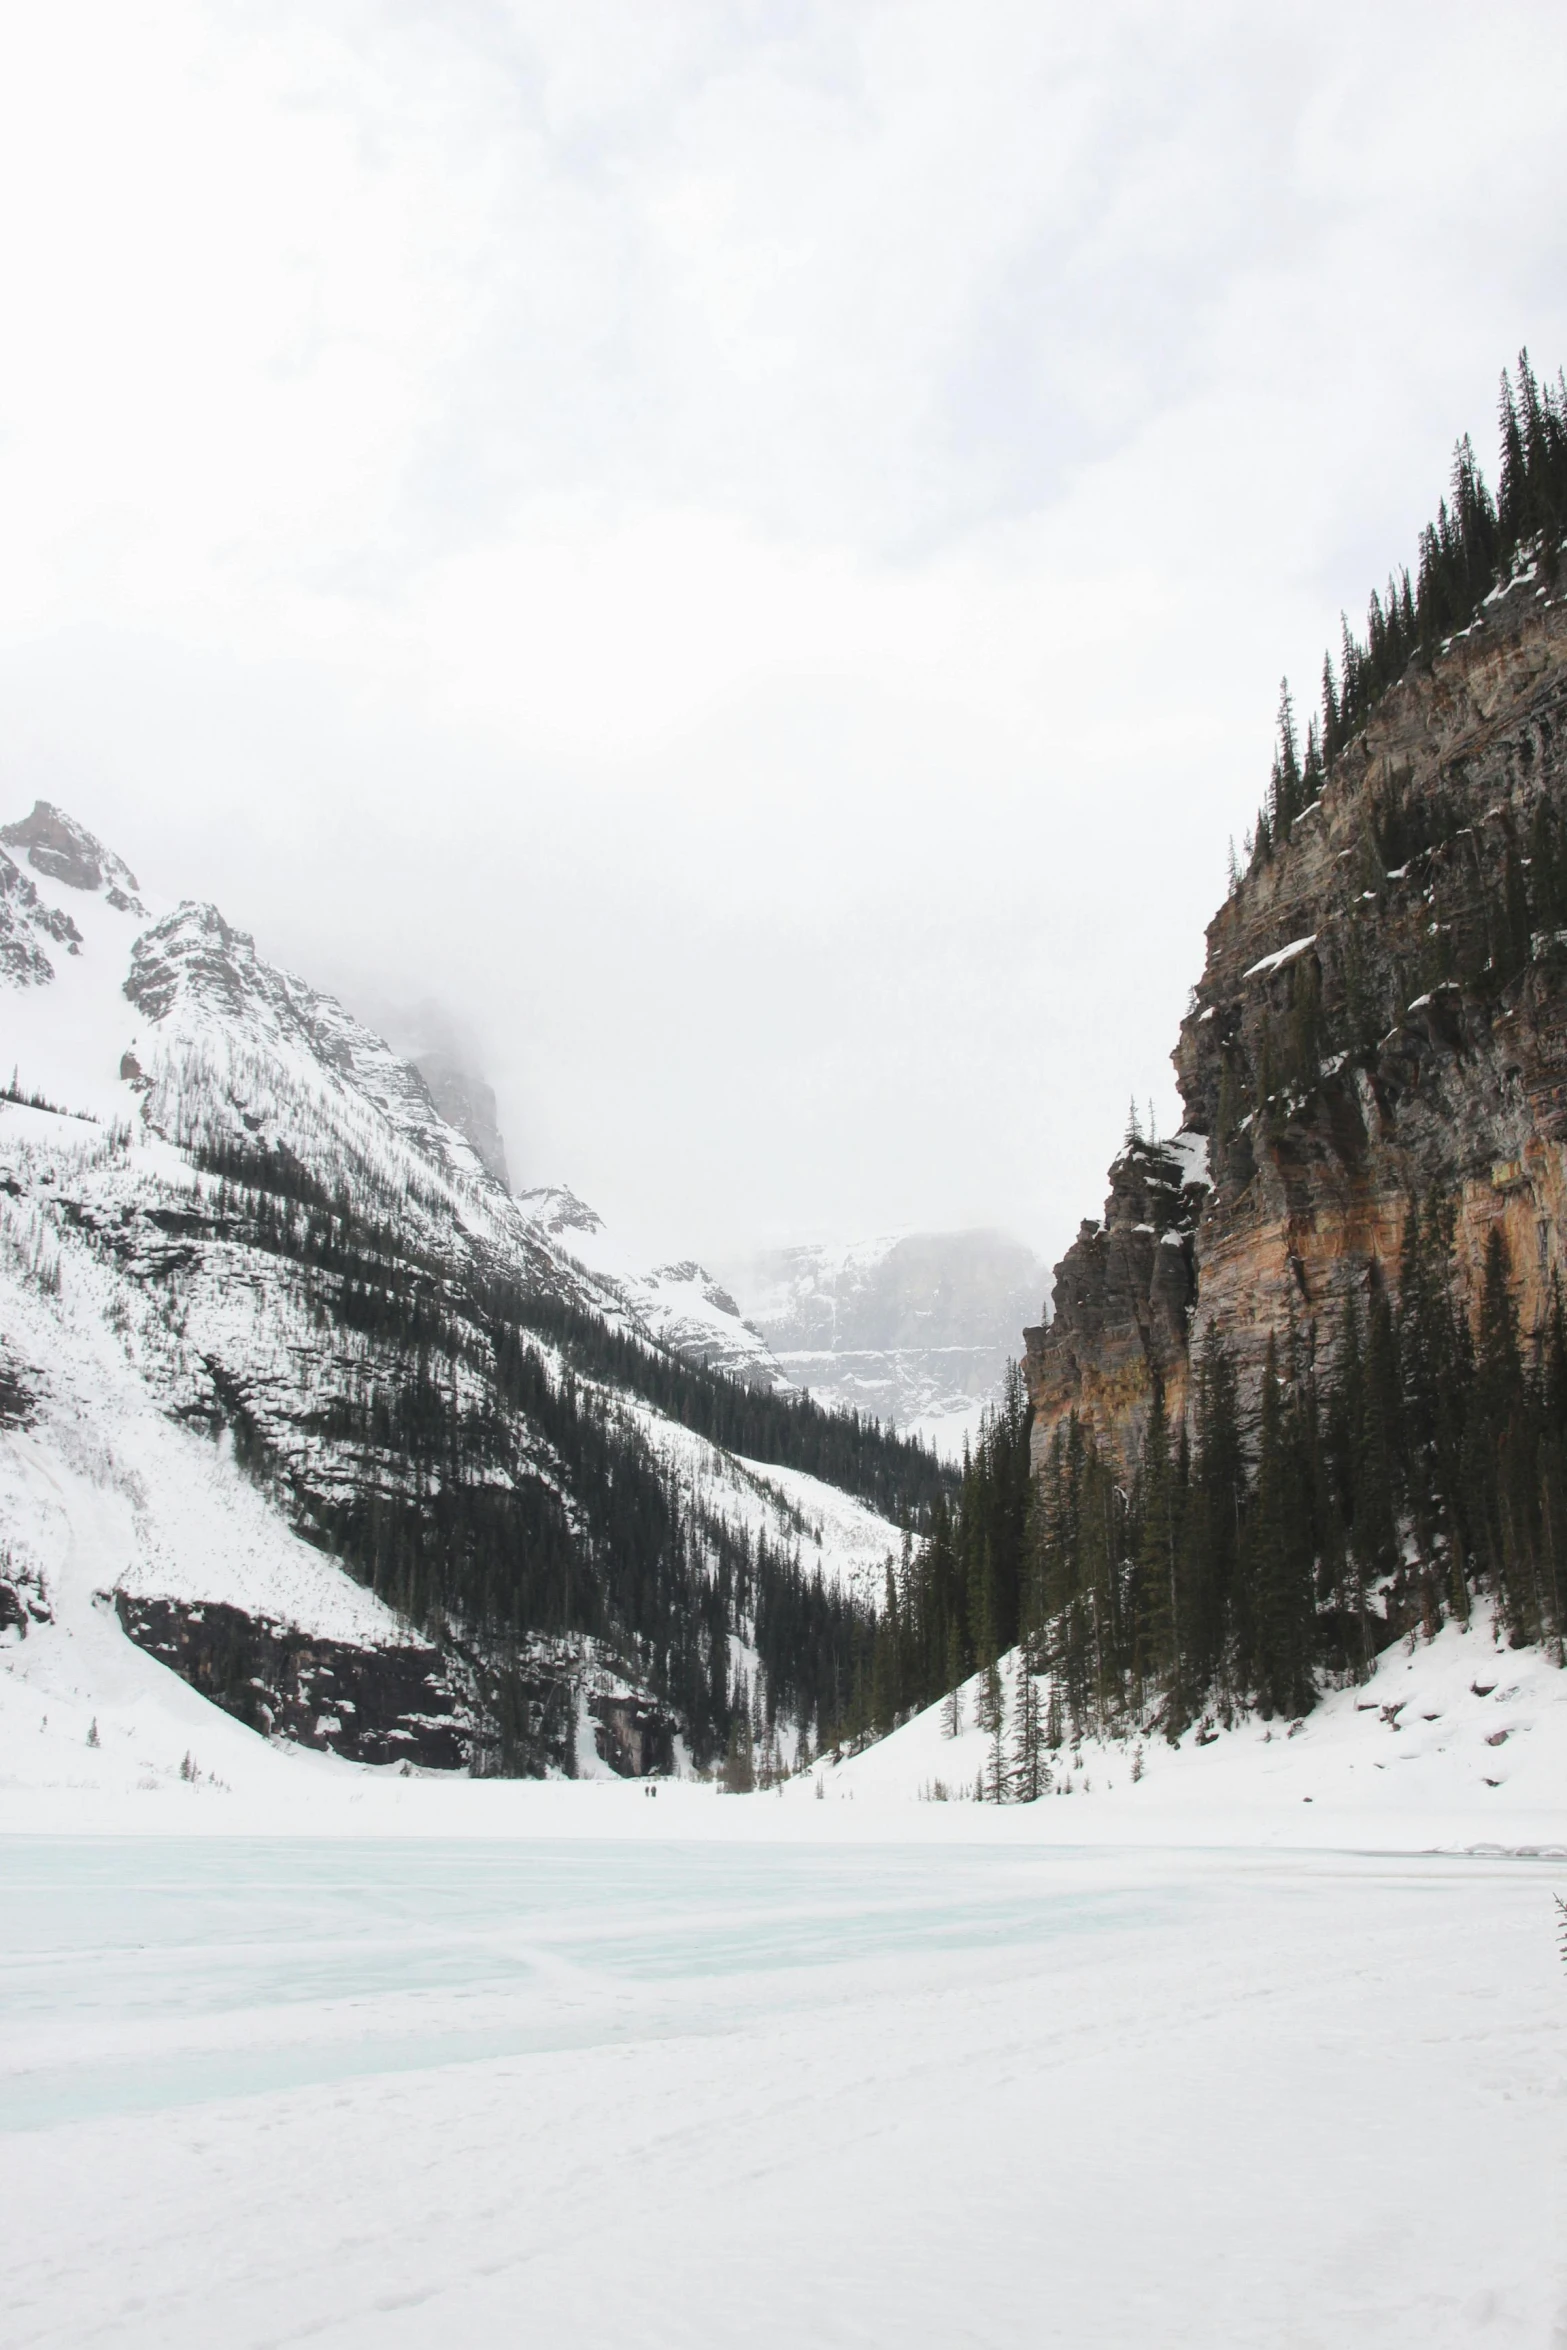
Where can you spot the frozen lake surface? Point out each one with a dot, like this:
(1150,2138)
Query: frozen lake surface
(143,1975)
(264,2090)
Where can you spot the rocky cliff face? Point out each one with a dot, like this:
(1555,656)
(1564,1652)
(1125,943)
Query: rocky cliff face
(375,1705)
(1382,1019)
(1123,1297)
(57,845)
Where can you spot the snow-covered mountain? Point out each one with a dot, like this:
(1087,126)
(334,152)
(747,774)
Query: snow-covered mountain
(376,1455)
(680,1304)
(916,1328)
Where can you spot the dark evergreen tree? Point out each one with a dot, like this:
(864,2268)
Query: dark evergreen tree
(1029,1774)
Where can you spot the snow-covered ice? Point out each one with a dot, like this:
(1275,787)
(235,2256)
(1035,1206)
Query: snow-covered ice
(614,2087)
(323,2053)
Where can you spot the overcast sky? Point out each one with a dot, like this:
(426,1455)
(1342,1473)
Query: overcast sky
(746,549)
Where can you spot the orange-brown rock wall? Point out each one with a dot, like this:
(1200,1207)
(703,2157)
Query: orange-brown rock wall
(1380,1020)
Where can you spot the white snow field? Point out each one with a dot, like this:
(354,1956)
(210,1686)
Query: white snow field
(650,2079)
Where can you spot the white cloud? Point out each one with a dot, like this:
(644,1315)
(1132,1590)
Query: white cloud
(750,546)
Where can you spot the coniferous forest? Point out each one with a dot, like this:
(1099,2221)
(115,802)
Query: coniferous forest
(1471,548)
(1406,1460)
(472,1537)
(1238,1567)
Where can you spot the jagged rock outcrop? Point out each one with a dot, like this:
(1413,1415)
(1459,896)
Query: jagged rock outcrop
(1123,1298)
(25,923)
(635,1738)
(57,845)
(468,1103)
(1382,1019)
(373,1705)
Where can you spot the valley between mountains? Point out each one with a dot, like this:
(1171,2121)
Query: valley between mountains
(540,1801)
(309,1420)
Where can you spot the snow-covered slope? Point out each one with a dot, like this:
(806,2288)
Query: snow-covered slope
(262,1309)
(914,1328)
(680,1305)
(1454,1728)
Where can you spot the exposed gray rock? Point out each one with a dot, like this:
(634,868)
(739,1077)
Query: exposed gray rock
(1376,1025)
(634,1736)
(1122,1299)
(439,1045)
(556,1209)
(57,845)
(25,923)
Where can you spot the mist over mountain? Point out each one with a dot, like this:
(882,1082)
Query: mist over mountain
(450,1061)
(376,1456)
(914,1328)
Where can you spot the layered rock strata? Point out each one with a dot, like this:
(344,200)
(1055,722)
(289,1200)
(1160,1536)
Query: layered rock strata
(1122,1300)
(1382,1019)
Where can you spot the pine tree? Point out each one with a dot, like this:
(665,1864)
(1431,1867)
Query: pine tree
(886,1690)
(1029,1775)
(1157,1649)
(1211,1548)
(1286,799)
(998,1750)
(1332,737)
(991,1702)
(1512,492)
(1277,1623)
(952,1710)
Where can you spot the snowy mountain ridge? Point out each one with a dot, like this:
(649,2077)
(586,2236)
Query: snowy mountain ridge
(310,1332)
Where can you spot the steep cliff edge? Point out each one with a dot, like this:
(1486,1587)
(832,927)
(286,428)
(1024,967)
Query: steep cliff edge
(1382,1021)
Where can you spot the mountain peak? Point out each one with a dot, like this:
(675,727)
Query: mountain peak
(555,1209)
(66,851)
